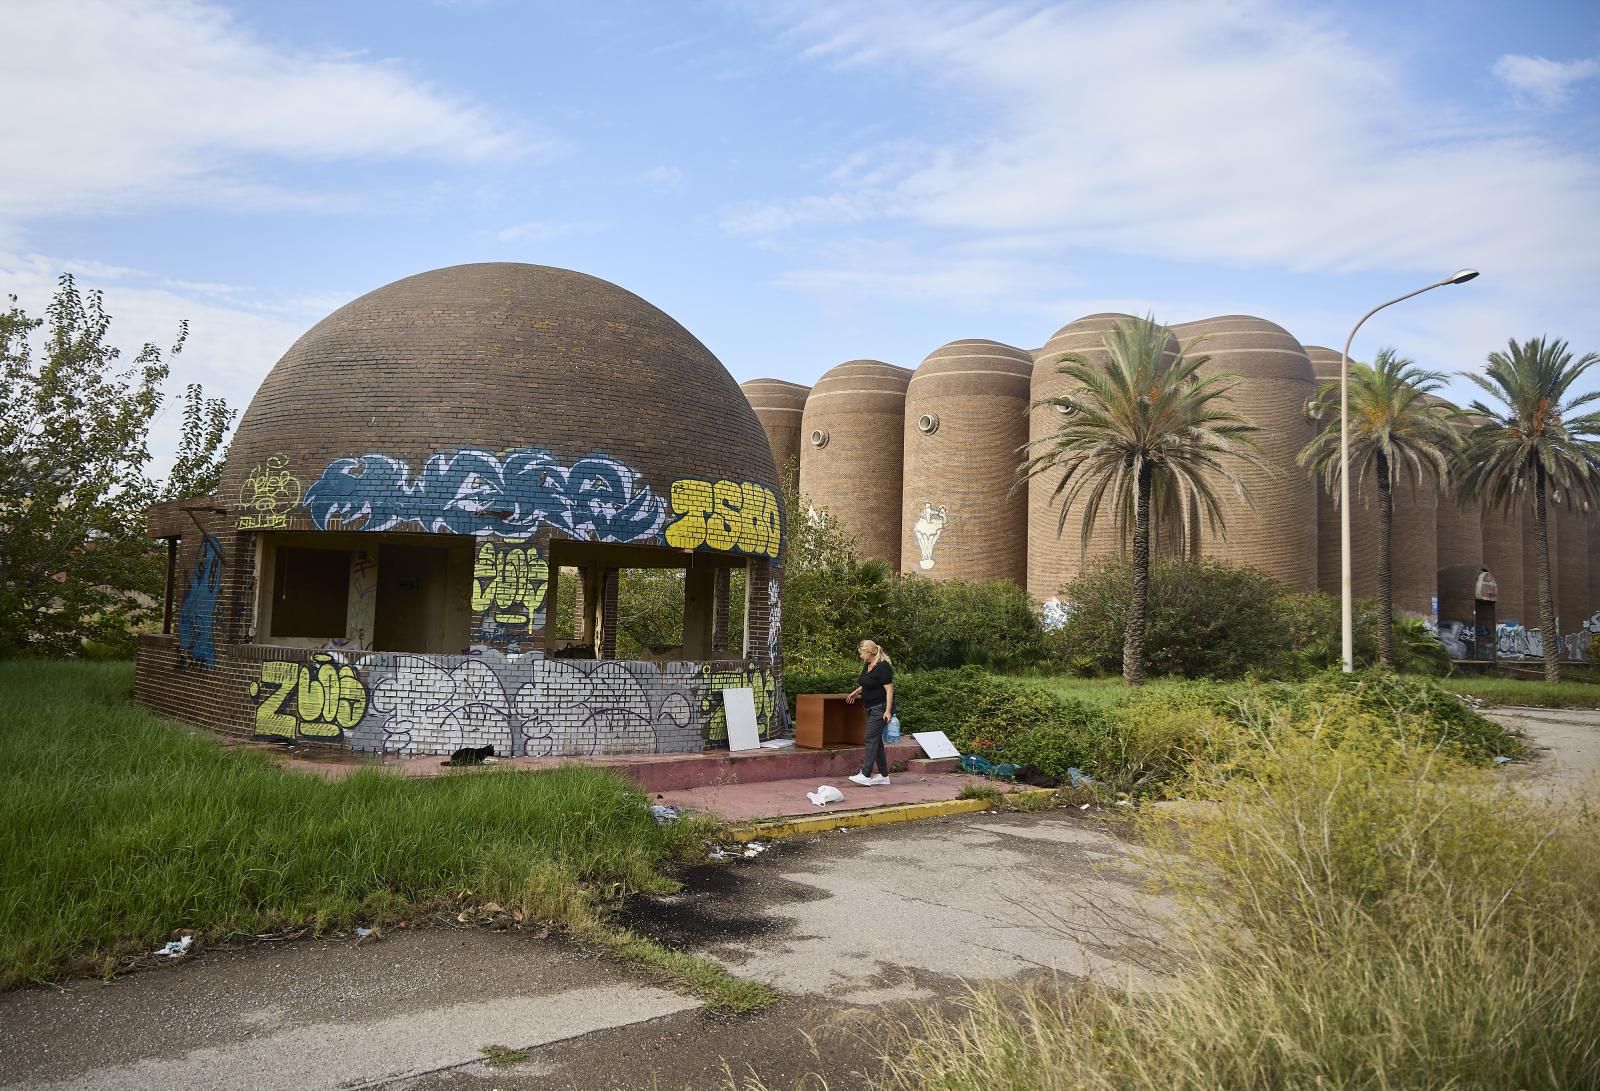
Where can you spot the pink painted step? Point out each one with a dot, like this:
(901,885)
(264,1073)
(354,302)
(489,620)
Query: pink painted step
(668,773)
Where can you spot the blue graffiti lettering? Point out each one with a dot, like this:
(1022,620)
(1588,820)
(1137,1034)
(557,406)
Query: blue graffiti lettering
(198,612)
(477,492)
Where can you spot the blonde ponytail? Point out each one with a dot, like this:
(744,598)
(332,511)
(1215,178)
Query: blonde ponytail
(878,654)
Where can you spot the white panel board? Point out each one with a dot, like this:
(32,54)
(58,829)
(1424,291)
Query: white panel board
(935,744)
(739,705)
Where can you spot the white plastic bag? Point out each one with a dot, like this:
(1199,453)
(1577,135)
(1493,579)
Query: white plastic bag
(825,793)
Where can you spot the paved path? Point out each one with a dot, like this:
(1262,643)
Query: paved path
(836,921)
(1566,743)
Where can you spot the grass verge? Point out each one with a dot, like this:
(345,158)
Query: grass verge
(1514,691)
(121,828)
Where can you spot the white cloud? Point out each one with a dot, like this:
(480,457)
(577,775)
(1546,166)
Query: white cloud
(1249,133)
(547,230)
(138,103)
(1541,81)
(661,177)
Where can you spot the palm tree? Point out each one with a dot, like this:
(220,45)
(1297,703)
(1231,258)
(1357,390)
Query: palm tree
(1396,430)
(1535,441)
(1142,435)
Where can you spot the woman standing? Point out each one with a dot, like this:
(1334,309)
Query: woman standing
(876,691)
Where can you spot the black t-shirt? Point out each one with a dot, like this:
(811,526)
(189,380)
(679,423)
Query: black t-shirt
(872,683)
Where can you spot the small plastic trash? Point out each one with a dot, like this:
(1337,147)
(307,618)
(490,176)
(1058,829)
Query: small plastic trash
(664,815)
(363,933)
(1078,778)
(1501,760)
(825,794)
(176,948)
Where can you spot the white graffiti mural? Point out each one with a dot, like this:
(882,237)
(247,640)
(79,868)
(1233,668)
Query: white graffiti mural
(428,704)
(929,525)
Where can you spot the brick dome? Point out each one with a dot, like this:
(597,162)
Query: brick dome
(503,357)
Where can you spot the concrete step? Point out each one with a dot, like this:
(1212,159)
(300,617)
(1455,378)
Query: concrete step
(666,773)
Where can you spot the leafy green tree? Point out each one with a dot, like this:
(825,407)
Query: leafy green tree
(1146,425)
(1397,431)
(76,569)
(1532,441)
(832,598)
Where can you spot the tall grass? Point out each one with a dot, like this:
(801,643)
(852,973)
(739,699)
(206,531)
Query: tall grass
(1363,910)
(120,827)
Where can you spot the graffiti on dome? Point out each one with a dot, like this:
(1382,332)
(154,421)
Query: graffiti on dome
(513,494)
(268,494)
(731,516)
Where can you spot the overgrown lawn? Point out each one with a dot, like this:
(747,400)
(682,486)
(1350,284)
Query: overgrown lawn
(120,827)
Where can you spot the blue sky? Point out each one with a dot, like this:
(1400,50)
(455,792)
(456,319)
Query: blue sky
(805,183)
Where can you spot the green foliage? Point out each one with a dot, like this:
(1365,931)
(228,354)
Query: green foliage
(949,623)
(120,828)
(832,600)
(1211,619)
(75,565)
(1207,618)
(649,611)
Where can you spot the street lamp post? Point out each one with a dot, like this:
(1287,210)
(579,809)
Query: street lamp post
(1346,607)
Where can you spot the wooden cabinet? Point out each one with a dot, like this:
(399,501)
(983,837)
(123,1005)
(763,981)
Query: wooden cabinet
(827,719)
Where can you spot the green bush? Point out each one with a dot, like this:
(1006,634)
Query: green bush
(1207,619)
(951,623)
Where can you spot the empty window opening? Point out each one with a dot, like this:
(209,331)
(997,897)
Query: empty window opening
(310,592)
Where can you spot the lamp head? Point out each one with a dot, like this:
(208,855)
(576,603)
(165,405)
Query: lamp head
(1461,276)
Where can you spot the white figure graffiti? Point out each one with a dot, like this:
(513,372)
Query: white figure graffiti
(1054,614)
(929,525)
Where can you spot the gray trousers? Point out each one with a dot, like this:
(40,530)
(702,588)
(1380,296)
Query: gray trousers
(877,724)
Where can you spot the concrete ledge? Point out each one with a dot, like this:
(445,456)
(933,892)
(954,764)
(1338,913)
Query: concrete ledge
(823,821)
(933,765)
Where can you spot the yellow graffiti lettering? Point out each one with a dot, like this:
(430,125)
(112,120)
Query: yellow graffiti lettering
(271,692)
(508,582)
(268,492)
(757,679)
(328,698)
(726,516)
(692,501)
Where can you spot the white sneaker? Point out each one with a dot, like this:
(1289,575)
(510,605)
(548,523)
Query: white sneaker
(881,778)
(861,779)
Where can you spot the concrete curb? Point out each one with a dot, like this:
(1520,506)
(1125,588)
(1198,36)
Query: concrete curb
(875,816)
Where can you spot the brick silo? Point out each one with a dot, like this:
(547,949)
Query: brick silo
(1277,531)
(965,423)
(1502,556)
(1459,532)
(1363,505)
(1594,566)
(1573,550)
(1054,558)
(780,406)
(851,452)
(1532,604)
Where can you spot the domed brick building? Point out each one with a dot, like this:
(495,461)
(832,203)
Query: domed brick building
(380,563)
